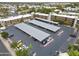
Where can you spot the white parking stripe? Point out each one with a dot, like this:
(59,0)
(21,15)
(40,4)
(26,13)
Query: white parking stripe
(60,33)
(48,43)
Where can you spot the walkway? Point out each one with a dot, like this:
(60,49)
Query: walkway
(7,45)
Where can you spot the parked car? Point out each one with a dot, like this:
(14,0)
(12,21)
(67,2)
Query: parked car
(73,35)
(11,35)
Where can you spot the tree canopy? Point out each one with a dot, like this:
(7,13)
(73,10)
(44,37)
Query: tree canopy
(73,50)
(4,35)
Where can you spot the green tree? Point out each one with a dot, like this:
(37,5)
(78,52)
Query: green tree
(14,44)
(4,35)
(24,51)
(73,52)
(22,9)
(31,10)
(45,10)
(60,7)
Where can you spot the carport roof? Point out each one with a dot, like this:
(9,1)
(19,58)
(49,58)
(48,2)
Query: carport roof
(36,33)
(45,25)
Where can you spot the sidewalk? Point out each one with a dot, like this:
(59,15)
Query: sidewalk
(7,45)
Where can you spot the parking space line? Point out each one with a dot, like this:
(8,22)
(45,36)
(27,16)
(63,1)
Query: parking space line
(60,33)
(48,43)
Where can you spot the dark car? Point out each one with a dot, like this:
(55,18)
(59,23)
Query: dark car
(11,35)
(73,35)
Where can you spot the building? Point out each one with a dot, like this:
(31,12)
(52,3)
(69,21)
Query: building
(66,18)
(70,13)
(71,20)
(71,9)
(41,15)
(15,19)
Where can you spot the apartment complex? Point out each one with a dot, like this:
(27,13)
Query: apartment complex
(71,20)
(14,20)
(66,18)
(41,15)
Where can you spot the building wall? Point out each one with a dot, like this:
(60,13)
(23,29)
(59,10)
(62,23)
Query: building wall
(69,21)
(13,22)
(40,16)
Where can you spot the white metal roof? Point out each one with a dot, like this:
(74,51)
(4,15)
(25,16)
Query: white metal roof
(36,33)
(15,17)
(67,16)
(43,14)
(45,25)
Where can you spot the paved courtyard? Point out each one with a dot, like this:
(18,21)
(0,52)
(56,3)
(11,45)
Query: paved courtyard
(59,43)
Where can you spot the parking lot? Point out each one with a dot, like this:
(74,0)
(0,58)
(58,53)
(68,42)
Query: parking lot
(60,40)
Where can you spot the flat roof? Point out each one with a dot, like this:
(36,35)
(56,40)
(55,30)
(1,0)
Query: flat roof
(67,16)
(43,14)
(45,25)
(36,33)
(15,17)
